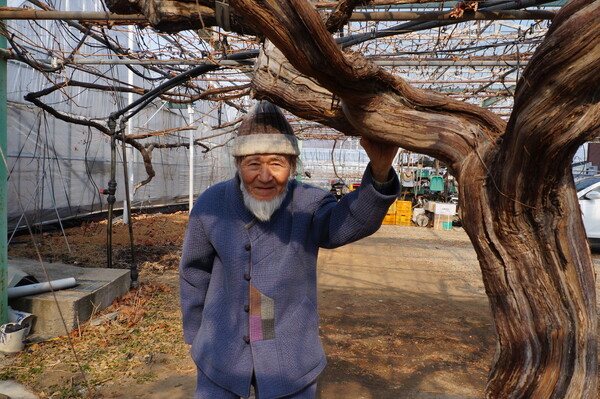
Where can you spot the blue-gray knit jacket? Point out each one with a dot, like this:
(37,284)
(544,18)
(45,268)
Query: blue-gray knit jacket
(249,289)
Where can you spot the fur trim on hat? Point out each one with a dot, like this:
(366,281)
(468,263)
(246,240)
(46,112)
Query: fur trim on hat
(265,144)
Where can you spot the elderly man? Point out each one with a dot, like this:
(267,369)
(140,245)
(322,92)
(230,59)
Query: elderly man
(248,268)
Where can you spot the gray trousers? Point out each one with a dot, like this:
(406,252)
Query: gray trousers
(206,389)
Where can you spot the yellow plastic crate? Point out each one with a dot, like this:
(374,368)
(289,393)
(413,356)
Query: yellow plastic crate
(403,220)
(403,206)
(392,210)
(389,219)
(404,213)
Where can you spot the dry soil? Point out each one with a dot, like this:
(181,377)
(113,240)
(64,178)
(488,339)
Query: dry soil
(403,315)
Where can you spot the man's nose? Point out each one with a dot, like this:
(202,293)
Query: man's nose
(265,174)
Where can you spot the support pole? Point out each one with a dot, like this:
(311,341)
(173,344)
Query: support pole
(127,210)
(129,177)
(3,188)
(112,189)
(191,172)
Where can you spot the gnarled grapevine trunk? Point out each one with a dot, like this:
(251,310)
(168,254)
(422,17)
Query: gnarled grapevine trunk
(526,223)
(518,200)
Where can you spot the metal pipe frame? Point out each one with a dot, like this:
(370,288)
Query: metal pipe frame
(101,17)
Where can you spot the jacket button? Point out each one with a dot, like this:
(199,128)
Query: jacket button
(247,276)
(246,308)
(246,339)
(247,247)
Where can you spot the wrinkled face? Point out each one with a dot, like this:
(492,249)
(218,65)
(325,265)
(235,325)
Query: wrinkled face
(265,176)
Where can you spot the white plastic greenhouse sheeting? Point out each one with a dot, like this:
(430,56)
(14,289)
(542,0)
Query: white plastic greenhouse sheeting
(56,169)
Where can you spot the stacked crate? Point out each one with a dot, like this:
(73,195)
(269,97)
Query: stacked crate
(399,213)
(403,213)
(390,217)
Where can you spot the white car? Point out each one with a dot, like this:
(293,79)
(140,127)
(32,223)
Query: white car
(588,193)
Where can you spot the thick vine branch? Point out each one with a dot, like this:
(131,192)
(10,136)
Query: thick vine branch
(389,109)
(341,13)
(78,120)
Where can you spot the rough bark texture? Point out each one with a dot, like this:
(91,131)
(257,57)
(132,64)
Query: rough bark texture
(175,15)
(277,80)
(539,275)
(518,201)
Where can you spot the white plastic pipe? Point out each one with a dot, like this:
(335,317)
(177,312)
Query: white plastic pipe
(30,289)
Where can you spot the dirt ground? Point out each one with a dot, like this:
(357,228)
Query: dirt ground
(403,315)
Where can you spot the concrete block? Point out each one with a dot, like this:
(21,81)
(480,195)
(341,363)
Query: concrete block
(15,390)
(97,288)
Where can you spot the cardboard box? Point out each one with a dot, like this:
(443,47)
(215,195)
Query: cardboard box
(442,222)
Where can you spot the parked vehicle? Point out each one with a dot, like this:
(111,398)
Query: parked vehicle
(588,194)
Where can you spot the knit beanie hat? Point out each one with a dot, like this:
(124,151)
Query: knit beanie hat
(265,131)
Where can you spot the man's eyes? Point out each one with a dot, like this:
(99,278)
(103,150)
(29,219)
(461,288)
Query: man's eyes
(251,164)
(256,165)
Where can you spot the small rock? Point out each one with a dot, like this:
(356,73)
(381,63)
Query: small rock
(104,318)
